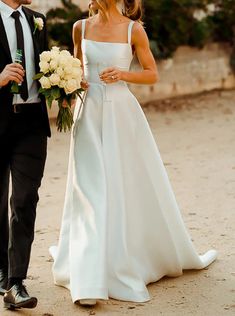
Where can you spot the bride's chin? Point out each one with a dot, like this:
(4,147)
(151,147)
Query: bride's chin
(93,5)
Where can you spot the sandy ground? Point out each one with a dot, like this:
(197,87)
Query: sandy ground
(196,137)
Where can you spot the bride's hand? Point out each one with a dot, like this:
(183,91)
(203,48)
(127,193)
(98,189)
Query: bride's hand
(66,105)
(111,75)
(84,85)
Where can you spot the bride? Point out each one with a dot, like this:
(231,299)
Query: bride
(121,227)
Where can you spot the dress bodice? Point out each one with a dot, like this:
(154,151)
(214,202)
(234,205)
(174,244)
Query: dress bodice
(100,55)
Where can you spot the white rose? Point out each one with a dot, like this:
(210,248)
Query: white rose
(44,66)
(54,79)
(53,64)
(60,72)
(79,83)
(63,61)
(45,82)
(55,55)
(45,56)
(67,77)
(68,70)
(65,53)
(199,15)
(55,49)
(77,73)
(38,23)
(62,83)
(76,62)
(70,86)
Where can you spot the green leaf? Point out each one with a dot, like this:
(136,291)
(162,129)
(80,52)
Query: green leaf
(64,121)
(49,101)
(56,93)
(47,93)
(38,76)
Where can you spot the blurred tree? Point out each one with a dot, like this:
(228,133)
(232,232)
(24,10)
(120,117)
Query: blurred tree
(170,23)
(224,24)
(60,23)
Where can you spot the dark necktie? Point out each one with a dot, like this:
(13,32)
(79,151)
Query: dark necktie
(20,45)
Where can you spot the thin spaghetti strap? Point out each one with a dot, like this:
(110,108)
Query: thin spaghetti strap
(129,31)
(83,28)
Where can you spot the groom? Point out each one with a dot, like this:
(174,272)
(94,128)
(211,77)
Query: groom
(24,128)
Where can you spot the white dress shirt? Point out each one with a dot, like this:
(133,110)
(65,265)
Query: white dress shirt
(9,24)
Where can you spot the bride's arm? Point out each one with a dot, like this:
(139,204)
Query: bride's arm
(149,73)
(77,51)
(140,43)
(77,38)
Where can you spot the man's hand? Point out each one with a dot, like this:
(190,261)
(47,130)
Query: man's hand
(12,72)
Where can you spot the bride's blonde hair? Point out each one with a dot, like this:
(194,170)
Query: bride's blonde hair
(130,8)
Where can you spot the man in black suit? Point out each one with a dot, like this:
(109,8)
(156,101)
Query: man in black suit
(24,128)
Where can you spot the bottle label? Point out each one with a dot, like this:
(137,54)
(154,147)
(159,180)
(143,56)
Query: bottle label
(19,56)
(15,87)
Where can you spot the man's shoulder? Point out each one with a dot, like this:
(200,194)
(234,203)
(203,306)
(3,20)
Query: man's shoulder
(33,13)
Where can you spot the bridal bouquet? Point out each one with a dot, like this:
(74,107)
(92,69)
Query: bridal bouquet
(60,77)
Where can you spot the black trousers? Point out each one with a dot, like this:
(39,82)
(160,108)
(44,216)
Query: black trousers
(22,156)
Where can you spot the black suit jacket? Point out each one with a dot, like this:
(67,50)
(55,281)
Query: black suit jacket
(40,43)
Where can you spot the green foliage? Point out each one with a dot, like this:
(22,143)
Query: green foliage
(171,23)
(60,23)
(224,21)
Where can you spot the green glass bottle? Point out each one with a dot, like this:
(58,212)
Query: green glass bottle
(15,87)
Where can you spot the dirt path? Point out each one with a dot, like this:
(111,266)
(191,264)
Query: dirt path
(196,137)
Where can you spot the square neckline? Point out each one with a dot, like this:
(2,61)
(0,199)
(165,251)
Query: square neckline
(104,42)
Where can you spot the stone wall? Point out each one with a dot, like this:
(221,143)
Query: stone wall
(190,71)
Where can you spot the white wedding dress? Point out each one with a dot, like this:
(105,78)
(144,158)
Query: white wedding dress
(121,226)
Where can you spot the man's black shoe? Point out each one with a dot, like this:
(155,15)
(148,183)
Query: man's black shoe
(3,282)
(18,297)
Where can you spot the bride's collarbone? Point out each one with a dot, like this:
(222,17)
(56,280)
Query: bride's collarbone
(108,33)
(107,36)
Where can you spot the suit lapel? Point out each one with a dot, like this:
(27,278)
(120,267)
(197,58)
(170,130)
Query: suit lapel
(29,17)
(4,40)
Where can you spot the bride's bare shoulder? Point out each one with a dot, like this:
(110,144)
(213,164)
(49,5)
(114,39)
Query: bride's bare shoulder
(138,31)
(77,30)
(77,26)
(138,27)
